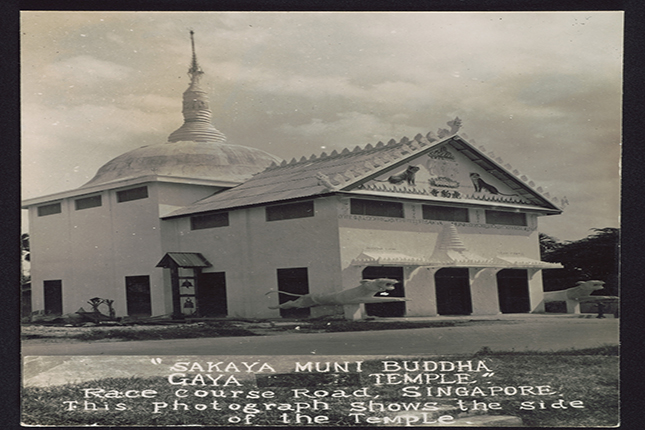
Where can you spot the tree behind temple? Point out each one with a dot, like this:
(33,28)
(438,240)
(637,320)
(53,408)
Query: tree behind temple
(595,257)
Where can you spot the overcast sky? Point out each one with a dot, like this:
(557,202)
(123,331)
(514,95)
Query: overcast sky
(540,90)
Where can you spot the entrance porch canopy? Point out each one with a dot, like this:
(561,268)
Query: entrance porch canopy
(449,258)
(380,257)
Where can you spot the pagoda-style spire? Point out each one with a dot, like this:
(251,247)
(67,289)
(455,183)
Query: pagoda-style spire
(451,240)
(451,251)
(194,66)
(197,125)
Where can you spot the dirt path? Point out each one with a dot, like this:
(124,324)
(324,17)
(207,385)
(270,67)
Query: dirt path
(531,334)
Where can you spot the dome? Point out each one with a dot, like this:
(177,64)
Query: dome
(190,160)
(196,150)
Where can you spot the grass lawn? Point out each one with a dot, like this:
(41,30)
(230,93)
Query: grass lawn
(219,329)
(588,378)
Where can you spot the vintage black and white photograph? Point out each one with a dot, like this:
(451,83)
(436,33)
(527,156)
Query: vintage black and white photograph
(303,219)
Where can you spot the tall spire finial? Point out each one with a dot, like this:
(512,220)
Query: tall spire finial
(194,66)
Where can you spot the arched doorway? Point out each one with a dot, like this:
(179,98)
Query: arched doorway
(452,288)
(513,291)
(394,309)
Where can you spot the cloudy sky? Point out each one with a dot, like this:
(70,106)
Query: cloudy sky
(540,90)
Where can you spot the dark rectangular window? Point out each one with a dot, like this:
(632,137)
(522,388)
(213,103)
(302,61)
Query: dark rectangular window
(137,290)
(132,194)
(505,218)
(376,208)
(52,209)
(199,222)
(445,213)
(290,211)
(88,202)
(53,292)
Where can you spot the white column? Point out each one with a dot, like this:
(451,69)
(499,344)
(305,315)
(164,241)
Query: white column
(483,290)
(420,291)
(351,277)
(536,291)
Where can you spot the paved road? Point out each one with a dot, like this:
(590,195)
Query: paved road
(548,334)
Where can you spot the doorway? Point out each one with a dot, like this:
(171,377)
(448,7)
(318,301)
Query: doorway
(294,281)
(513,291)
(137,290)
(211,294)
(53,291)
(393,309)
(452,286)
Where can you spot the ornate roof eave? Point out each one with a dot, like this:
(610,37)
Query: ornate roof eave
(540,265)
(387,258)
(522,262)
(467,259)
(405,260)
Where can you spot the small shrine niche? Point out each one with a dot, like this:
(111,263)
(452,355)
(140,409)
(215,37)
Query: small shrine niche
(188,290)
(185,268)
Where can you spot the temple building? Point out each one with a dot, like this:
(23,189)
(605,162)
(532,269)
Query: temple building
(196,226)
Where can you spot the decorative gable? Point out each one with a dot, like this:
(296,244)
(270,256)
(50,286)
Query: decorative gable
(443,172)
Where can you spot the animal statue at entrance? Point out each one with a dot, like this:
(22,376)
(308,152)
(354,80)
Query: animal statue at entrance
(364,293)
(572,297)
(582,290)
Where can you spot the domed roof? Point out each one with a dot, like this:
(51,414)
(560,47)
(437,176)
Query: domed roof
(190,160)
(196,150)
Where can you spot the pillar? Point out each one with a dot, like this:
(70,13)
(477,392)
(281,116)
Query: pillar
(536,291)
(483,290)
(351,277)
(420,291)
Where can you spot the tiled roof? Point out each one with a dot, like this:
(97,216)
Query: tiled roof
(314,175)
(351,169)
(184,259)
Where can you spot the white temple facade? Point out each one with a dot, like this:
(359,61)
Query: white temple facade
(198,227)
